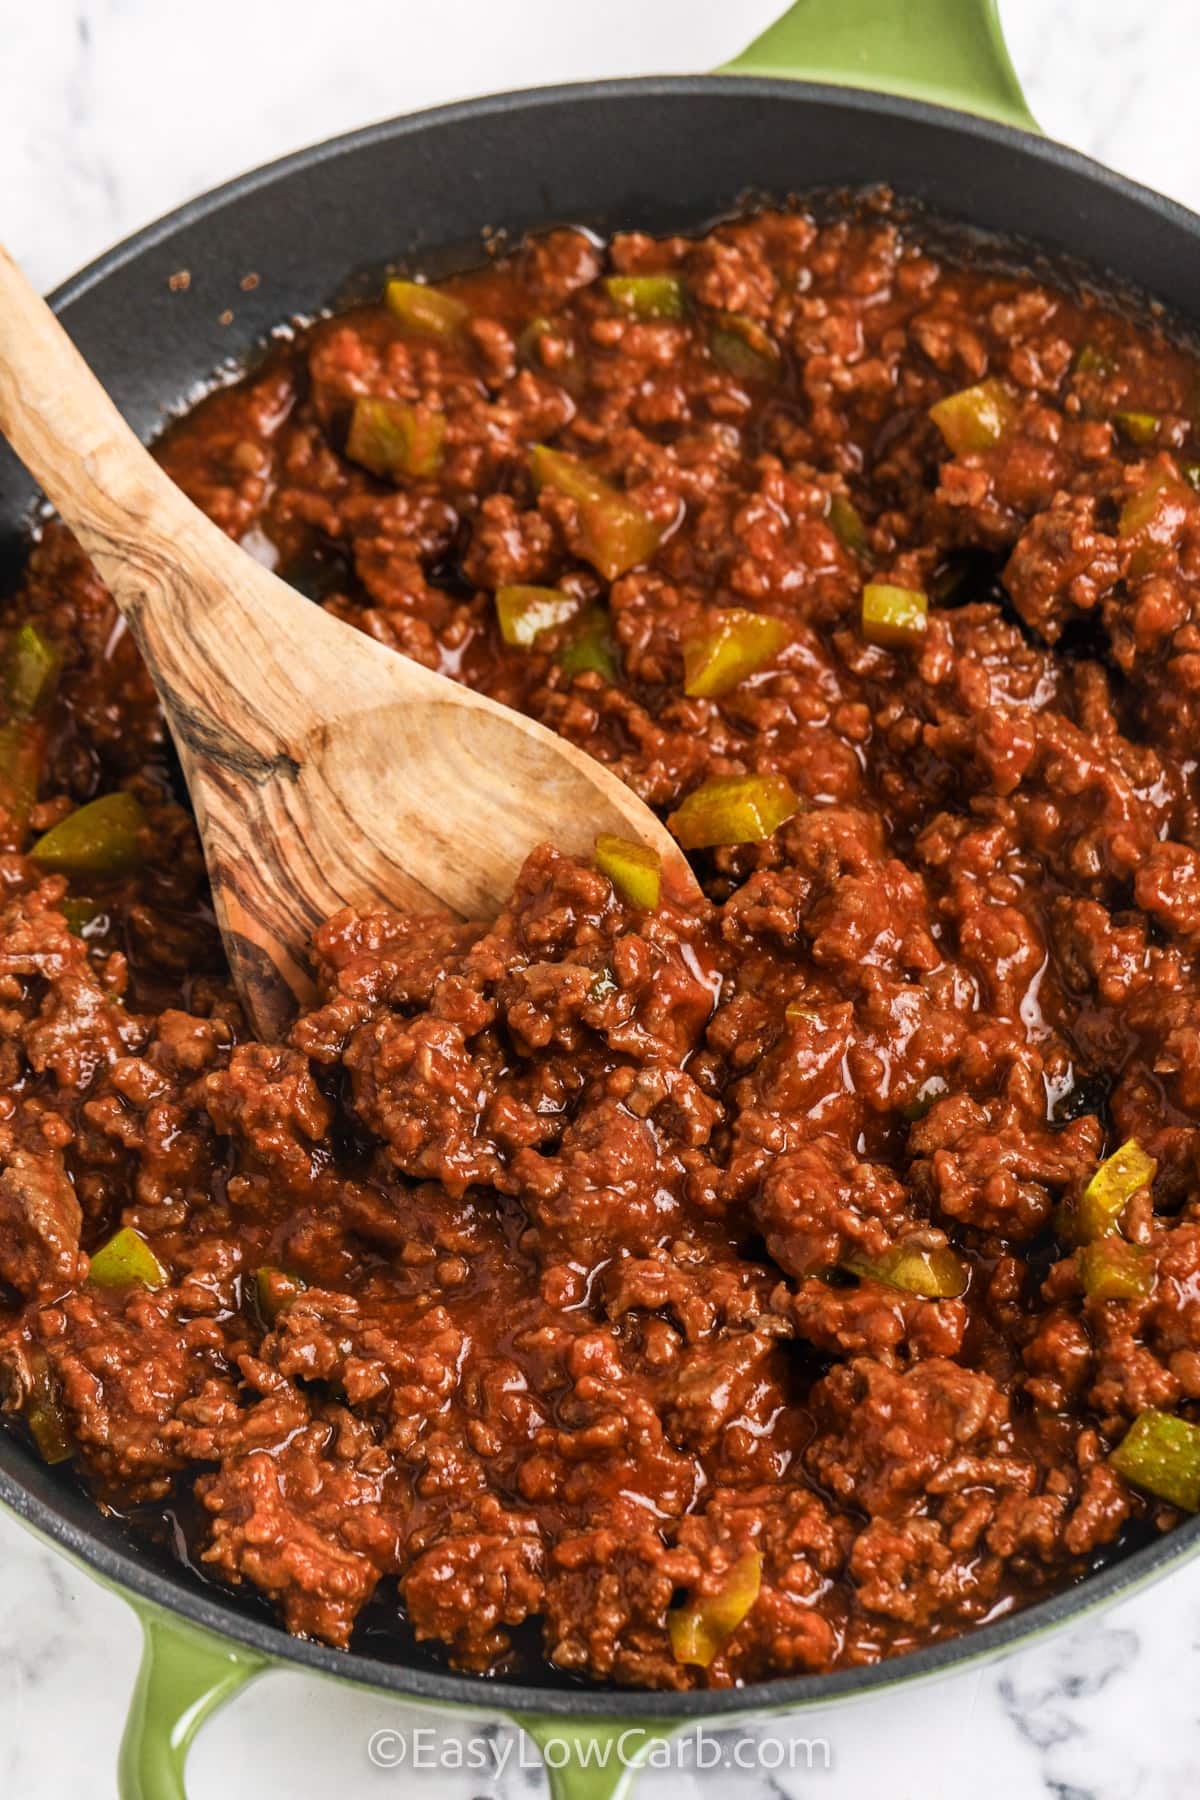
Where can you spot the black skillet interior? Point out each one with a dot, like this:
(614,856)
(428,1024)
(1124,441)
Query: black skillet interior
(657,154)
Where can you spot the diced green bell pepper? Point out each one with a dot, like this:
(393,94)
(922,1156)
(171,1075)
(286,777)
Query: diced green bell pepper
(523,613)
(79,913)
(1149,520)
(126,1261)
(427,310)
(1112,1269)
(895,618)
(389,438)
(976,418)
(634,869)
(937,1274)
(1094,360)
(31,670)
(648,296)
(847,524)
(701,1628)
(590,648)
(275,1290)
(1137,427)
(615,534)
(742,347)
(1161,1453)
(733,809)
(30,675)
(1111,1188)
(45,1415)
(102,838)
(733,646)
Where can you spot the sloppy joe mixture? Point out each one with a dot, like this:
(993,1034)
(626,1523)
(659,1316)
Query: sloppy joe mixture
(680,1296)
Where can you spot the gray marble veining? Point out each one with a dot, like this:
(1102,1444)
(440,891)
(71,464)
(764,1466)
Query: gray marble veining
(111,112)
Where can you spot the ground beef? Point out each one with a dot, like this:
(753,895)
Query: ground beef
(545,1276)
(40,1222)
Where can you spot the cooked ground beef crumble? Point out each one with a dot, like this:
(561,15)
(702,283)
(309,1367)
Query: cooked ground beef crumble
(548,1271)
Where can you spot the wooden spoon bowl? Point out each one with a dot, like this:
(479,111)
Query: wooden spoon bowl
(325,770)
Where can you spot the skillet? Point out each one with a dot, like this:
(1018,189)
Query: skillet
(663,155)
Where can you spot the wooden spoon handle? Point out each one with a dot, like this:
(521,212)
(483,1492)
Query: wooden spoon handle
(179,580)
(75,443)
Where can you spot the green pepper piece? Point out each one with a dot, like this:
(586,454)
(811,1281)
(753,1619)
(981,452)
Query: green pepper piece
(1191,473)
(1137,427)
(932,1274)
(525,612)
(733,809)
(895,618)
(590,648)
(275,1290)
(976,418)
(847,524)
(31,669)
(1111,1188)
(701,1628)
(532,335)
(1118,1178)
(744,348)
(389,438)
(1112,1269)
(102,838)
(721,656)
(1161,1453)
(79,913)
(427,310)
(44,1413)
(126,1261)
(1150,520)
(615,533)
(648,296)
(1141,507)
(634,869)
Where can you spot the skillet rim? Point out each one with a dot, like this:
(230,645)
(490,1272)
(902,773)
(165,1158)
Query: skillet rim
(854,99)
(128,1573)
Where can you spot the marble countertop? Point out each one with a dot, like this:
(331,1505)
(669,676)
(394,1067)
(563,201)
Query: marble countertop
(106,120)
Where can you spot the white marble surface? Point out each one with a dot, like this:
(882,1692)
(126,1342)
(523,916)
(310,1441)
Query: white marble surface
(106,119)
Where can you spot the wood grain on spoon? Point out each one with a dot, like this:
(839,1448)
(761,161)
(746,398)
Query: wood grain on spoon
(326,770)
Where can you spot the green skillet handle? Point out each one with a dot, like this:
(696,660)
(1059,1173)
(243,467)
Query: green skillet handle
(594,1759)
(185,1675)
(949,51)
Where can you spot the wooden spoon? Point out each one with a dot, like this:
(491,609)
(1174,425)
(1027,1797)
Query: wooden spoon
(325,770)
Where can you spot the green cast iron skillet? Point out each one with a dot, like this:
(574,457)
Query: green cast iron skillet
(952,132)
